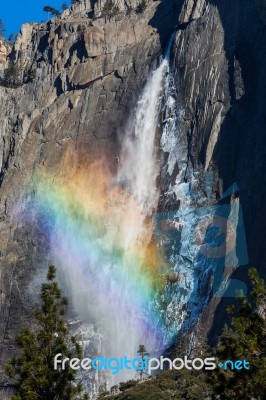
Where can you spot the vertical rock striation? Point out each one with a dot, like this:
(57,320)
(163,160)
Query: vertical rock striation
(67,83)
(219,71)
(71,82)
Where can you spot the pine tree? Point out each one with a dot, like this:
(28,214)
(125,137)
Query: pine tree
(33,369)
(13,74)
(110,8)
(11,38)
(245,340)
(50,10)
(2,28)
(142,352)
(64,6)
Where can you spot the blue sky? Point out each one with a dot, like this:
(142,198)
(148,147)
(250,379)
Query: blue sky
(15,12)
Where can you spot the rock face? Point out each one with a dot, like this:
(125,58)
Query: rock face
(76,77)
(70,83)
(220,78)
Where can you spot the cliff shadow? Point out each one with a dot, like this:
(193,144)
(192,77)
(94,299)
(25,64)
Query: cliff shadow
(165,19)
(241,148)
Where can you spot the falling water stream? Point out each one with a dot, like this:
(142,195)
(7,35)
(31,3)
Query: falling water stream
(121,271)
(100,232)
(115,253)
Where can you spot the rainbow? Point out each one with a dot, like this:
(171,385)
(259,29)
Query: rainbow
(103,245)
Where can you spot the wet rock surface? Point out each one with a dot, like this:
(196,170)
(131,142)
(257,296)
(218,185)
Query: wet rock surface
(73,81)
(219,68)
(77,77)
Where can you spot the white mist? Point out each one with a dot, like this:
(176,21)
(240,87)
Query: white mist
(126,220)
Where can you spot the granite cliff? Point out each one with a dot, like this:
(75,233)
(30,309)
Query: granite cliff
(219,69)
(66,83)
(70,83)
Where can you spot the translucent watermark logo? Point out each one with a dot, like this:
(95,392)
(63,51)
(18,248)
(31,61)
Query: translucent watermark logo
(147,364)
(203,243)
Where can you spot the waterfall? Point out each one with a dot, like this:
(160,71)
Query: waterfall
(138,161)
(137,172)
(138,167)
(129,223)
(100,232)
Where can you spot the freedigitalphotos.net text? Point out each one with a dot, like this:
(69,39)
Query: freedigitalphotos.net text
(146,364)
